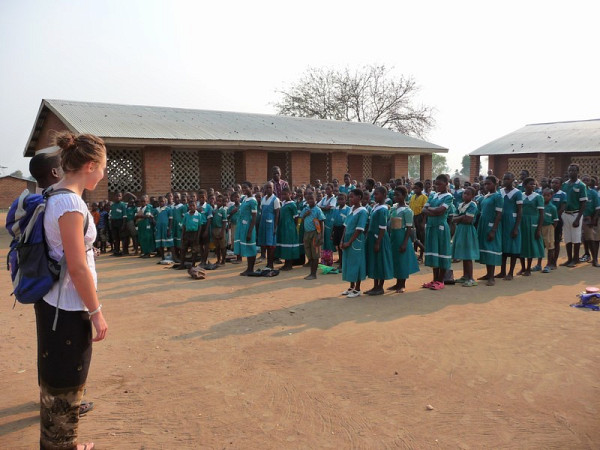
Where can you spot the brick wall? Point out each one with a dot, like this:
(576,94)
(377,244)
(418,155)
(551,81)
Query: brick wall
(318,167)
(51,124)
(339,165)
(156,170)
(426,168)
(210,164)
(10,189)
(240,167)
(256,163)
(100,193)
(382,168)
(399,166)
(355,164)
(475,167)
(300,168)
(279,159)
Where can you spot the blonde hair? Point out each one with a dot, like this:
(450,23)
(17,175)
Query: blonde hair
(78,150)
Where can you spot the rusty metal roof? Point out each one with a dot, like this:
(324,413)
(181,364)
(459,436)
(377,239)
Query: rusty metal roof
(176,126)
(554,137)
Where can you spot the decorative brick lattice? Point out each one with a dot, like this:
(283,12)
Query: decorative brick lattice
(550,168)
(287,166)
(328,168)
(185,175)
(367,167)
(588,165)
(124,170)
(227,169)
(515,165)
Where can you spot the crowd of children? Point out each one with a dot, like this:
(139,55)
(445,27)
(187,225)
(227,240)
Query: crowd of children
(377,231)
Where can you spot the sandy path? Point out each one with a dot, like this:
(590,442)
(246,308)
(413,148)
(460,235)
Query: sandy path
(232,362)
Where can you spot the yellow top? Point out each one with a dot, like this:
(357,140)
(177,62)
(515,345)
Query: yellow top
(417,203)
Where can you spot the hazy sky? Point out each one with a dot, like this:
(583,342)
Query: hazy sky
(487,67)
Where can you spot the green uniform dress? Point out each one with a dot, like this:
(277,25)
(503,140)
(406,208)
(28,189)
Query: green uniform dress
(346,189)
(288,246)
(550,214)
(405,263)
(465,245)
(490,252)
(354,263)
(438,252)
(178,212)
(146,231)
(162,237)
(241,247)
(300,207)
(328,222)
(531,247)
(379,264)
(510,245)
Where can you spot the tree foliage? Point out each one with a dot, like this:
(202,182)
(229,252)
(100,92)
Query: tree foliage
(439,165)
(372,94)
(466,166)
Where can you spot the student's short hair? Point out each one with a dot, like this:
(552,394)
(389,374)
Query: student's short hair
(346,175)
(472,190)
(330,185)
(419,184)
(381,189)
(526,171)
(402,190)
(42,164)
(307,193)
(574,165)
(528,180)
(192,201)
(160,197)
(556,178)
(358,192)
(300,190)
(220,196)
(341,194)
(492,178)
(202,192)
(370,181)
(246,183)
(442,177)
(510,174)
(548,191)
(286,189)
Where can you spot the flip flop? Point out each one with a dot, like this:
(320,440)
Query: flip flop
(546,270)
(428,285)
(436,286)
(85,407)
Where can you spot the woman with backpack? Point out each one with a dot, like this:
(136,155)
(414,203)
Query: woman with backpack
(65,315)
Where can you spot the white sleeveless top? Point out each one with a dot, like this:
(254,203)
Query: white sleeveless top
(55,208)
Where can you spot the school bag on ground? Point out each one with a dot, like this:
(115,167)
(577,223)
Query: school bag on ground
(32,270)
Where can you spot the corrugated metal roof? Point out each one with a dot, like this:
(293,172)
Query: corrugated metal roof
(555,137)
(161,123)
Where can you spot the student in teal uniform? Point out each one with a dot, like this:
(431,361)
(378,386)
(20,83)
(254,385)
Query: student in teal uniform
(524,174)
(191,224)
(576,193)
(465,245)
(354,267)
(550,221)
(287,233)
(512,213)
(245,238)
(313,219)
(591,234)
(380,266)
(130,213)
(219,225)
(489,229)
(179,210)
(233,214)
(327,205)
(145,225)
(403,254)
(300,205)
(347,187)
(164,226)
(204,208)
(532,245)
(438,252)
(340,213)
(269,221)
(118,225)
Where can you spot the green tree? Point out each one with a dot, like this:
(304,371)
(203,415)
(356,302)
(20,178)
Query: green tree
(439,165)
(466,166)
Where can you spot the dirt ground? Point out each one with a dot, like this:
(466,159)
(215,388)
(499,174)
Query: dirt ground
(233,362)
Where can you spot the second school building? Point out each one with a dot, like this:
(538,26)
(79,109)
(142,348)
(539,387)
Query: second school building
(156,150)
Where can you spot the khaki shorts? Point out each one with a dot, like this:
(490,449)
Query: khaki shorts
(548,236)
(590,233)
(190,239)
(311,250)
(219,241)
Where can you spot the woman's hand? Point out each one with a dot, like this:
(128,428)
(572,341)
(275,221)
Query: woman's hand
(100,326)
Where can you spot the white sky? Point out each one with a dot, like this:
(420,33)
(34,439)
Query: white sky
(487,67)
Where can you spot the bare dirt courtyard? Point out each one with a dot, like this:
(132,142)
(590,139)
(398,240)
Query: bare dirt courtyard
(272,363)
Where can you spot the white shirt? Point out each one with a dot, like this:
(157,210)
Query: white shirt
(272,199)
(55,208)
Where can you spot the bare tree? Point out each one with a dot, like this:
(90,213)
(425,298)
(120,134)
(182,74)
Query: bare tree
(371,94)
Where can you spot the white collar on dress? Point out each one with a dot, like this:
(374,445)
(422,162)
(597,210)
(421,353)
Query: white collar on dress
(531,196)
(378,207)
(438,195)
(464,206)
(508,194)
(400,208)
(357,210)
(559,192)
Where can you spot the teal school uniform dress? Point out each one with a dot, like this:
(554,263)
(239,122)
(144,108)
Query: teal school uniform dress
(192,222)
(354,264)
(531,247)
(207,210)
(490,252)
(248,206)
(380,265)
(510,245)
(404,263)
(161,235)
(346,189)
(300,205)
(266,230)
(288,246)
(145,229)
(325,202)
(465,245)
(575,194)
(550,214)
(438,252)
(179,211)
(457,195)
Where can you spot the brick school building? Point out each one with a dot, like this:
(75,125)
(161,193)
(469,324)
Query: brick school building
(544,149)
(155,150)
(11,187)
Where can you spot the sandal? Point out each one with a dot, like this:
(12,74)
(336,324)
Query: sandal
(470,283)
(546,270)
(436,286)
(85,407)
(461,280)
(428,285)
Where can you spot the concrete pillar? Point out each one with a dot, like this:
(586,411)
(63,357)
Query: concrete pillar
(339,166)
(300,173)
(542,166)
(256,166)
(426,169)
(399,166)
(156,170)
(475,167)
